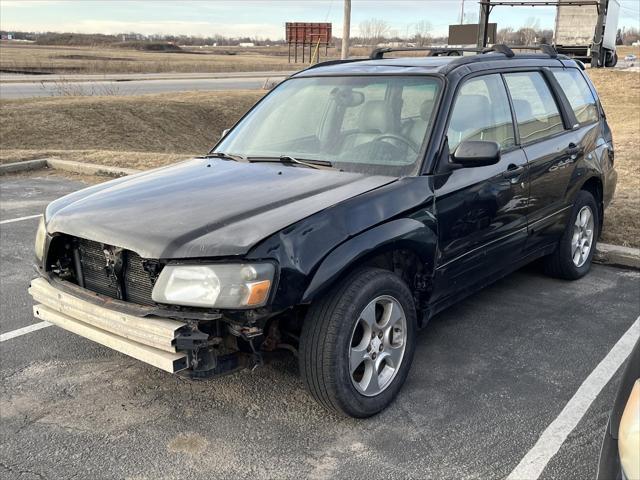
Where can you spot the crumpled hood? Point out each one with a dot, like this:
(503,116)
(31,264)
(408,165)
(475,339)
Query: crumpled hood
(202,207)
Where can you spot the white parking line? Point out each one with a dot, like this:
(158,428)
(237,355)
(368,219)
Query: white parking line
(534,462)
(19,219)
(23,331)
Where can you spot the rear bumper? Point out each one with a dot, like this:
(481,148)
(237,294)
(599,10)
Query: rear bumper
(150,339)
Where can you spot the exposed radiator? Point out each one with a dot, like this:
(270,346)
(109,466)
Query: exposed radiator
(135,283)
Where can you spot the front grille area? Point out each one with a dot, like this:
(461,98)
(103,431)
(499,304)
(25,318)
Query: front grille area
(133,284)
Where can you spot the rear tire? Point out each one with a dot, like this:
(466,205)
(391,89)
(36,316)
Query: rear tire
(573,256)
(357,343)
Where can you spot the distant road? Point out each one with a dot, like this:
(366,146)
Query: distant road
(15,86)
(24,78)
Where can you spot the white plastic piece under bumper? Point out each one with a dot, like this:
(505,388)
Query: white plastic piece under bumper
(148,339)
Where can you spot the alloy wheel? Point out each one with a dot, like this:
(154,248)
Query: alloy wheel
(583,233)
(377,345)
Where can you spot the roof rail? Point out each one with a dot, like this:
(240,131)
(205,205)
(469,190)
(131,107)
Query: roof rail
(327,63)
(378,53)
(507,50)
(500,48)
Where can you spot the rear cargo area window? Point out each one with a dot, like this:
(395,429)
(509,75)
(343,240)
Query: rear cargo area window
(579,95)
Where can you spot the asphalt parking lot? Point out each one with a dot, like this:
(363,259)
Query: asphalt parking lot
(489,376)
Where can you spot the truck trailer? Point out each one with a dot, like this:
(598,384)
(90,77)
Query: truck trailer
(587,32)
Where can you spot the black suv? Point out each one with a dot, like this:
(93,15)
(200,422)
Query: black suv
(349,206)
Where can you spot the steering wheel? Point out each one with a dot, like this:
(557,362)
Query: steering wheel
(399,138)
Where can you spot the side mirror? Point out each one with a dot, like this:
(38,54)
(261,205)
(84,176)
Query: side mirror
(476,153)
(224,132)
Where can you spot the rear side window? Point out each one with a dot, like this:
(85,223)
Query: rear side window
(481,112)
(579,95)
(536,110)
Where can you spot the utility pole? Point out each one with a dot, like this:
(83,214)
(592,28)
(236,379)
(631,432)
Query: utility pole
(483,22)
(461,12)
(346,28)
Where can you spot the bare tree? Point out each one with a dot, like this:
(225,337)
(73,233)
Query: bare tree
(529,32)
(423,33)
(373,30)
(505,35)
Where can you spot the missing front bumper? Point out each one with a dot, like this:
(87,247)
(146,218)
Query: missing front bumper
(149,339)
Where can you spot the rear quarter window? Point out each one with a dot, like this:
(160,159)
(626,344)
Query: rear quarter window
(579,94)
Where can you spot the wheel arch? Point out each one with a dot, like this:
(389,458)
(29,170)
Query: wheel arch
(595,187)
(405,246)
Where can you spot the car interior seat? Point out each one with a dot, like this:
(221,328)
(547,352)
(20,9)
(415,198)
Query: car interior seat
(375,118)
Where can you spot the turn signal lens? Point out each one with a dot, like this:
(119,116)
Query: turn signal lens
(258,292)
(629,435)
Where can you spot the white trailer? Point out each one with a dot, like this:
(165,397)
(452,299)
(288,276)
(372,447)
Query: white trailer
(588,32)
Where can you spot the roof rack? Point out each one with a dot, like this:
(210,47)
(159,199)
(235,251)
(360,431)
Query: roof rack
(544,48)
(378,53)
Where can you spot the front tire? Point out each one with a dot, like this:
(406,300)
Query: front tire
(573,256)
(357,343)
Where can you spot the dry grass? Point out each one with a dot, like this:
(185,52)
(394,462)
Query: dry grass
(183,124)
(620,95)
(101,60)
(152,130)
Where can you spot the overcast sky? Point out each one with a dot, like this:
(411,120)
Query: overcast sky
(257,18)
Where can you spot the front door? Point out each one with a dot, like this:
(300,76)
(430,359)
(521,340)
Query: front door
(481,211)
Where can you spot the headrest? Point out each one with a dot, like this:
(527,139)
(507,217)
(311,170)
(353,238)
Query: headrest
(426,109)
(375,117)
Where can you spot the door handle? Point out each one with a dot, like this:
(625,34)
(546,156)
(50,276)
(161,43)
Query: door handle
(573,150)
(513,171)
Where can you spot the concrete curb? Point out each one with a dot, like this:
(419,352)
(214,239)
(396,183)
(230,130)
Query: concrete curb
(23,166)
(90,168)
(616,255)
(68,166)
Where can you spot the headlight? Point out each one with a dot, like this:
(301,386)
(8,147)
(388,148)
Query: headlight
(41,239)
(629,435)
(215,286)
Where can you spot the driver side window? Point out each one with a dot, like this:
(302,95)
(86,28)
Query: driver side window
(481,112)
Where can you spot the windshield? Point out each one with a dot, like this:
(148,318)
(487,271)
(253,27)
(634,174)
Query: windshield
(368,124)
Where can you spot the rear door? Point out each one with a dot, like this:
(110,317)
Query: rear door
(590,133)
(481,211)
(551,150)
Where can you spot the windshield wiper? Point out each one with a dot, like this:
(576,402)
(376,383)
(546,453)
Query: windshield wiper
(227,156)
(317,164)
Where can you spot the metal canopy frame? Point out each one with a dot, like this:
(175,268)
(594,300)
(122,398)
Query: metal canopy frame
(486,6)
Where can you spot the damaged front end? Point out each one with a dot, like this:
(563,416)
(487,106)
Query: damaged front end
(104,293)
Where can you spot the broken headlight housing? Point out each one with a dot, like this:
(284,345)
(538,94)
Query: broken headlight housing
(41,239)
(231,286)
